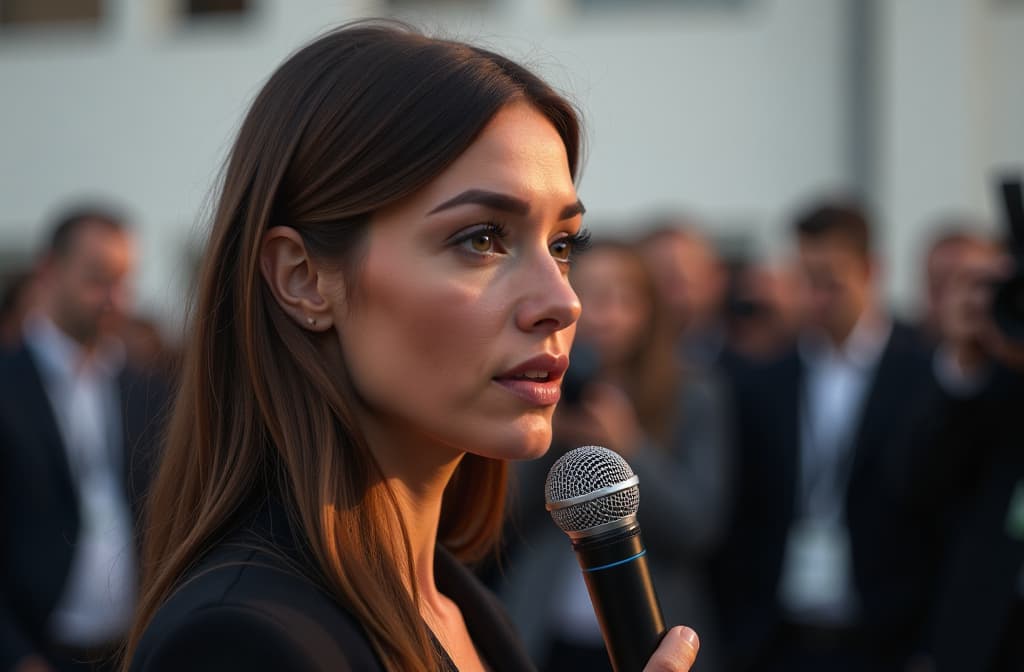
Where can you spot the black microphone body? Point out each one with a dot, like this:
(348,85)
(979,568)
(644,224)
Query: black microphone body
(614,566)
(593,496)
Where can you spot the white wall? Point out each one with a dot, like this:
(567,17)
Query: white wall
(735,114)
(951,117)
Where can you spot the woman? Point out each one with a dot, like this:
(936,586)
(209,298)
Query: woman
(382,321)
(670,422)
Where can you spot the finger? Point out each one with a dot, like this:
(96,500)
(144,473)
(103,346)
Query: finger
(676,652)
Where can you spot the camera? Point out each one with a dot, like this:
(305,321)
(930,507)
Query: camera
(1008,301)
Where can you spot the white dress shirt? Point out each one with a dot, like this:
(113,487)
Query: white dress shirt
(817,578)
(98,597)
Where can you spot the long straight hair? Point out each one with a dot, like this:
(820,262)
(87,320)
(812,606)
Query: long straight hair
(355,121)
(655,372)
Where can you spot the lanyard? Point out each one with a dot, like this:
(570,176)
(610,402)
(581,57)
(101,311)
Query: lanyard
(827,454)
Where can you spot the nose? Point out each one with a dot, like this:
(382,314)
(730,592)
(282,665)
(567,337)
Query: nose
(548,303)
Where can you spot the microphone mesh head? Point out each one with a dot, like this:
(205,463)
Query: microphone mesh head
(585,470)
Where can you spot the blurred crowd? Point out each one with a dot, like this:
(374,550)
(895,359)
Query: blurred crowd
(823,486)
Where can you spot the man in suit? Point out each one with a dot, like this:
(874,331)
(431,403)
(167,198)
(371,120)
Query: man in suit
(814,576)
(73,417)
(966,481)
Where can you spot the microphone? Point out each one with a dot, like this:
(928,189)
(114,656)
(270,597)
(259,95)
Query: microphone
(593,497)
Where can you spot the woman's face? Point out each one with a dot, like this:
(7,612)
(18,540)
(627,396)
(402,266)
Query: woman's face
(617,310)
(462,316)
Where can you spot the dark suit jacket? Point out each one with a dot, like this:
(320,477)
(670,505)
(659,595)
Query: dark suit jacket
(748,571)
(39,516)
(964,476)
(248,606)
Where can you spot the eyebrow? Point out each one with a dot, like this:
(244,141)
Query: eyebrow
(502,202)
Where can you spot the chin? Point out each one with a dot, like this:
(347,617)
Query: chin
(528,444)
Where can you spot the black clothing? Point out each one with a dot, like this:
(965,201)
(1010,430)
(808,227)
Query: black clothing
(39,510)
(966,482)
(748,571)
(249,606)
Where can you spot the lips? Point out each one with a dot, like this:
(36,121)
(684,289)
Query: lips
(537,381)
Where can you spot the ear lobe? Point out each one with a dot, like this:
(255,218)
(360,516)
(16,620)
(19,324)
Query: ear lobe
(293,278)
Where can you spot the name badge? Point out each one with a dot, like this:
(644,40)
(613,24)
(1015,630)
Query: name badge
(817,570)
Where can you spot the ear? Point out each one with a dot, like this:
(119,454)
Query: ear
(293,278)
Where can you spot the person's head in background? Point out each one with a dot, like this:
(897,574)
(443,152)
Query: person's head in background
(689,274)
(384,293)
(839,267)
(764,308)
(85,274)
(963,320)
(946,251)
(622,321)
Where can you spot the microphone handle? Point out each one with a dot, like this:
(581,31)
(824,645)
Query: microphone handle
(615,569)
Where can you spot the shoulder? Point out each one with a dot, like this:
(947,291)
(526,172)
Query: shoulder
(245,610)
(906,358)
(759,378)
(15,365)
(905,342)
(20,387)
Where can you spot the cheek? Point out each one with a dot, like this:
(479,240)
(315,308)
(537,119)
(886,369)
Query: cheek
(418,347)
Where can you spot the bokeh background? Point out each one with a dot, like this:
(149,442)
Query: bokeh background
(736,111)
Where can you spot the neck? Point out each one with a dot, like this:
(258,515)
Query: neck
(418,477)
(88,346)
(839,334)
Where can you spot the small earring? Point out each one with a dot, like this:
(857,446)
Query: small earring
(311,321)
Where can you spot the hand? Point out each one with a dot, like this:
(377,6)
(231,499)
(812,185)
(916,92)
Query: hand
(613,416)
(676,653)
(604,417)
(32,664)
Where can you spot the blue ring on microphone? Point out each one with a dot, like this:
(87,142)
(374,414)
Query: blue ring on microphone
(616,564)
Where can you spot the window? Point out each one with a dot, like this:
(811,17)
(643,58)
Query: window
(49,12)
(213,7)
(436,4)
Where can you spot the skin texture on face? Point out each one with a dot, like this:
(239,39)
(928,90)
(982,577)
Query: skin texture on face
(452,293)
(616,310)
(88,287)
(839,285)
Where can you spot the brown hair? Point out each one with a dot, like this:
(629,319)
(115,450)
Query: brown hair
(846,221)
(71,223)
(360,118)
(653,370)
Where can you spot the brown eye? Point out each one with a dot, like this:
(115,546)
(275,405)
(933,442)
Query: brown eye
(561,249)
(482,242)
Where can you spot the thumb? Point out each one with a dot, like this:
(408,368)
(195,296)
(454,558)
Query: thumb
(677,651)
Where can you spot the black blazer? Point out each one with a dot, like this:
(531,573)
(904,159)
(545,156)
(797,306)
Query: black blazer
(964,476)
(39,517)
(747,572)
(248,606)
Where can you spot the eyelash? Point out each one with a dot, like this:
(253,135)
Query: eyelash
(496,230)
(578,242)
